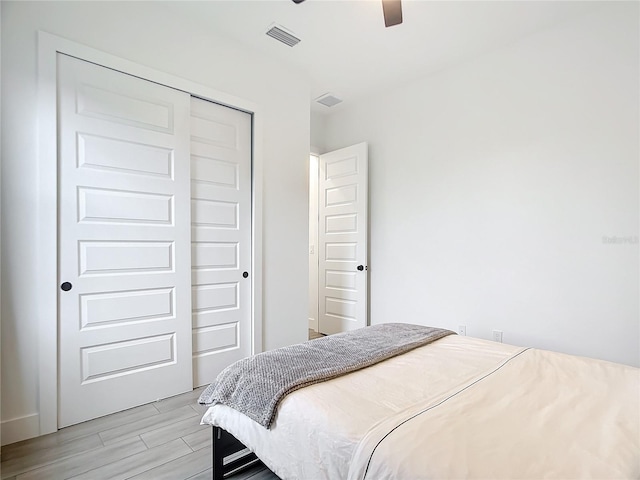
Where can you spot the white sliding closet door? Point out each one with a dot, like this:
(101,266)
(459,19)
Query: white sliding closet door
(221,237)
(124,241)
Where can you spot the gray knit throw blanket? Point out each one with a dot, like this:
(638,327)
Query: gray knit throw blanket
(256,385)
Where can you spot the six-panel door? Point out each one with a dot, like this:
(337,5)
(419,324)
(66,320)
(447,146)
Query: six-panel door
(124,241)
(220,237)
(343,269)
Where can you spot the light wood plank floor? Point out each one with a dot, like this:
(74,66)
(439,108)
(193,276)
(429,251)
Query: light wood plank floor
(313,335)
(162,440)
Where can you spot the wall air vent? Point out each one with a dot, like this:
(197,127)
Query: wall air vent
(328,100)
(279,33)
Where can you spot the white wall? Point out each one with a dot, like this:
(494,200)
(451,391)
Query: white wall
(148,34)
(318,133)
(493,184)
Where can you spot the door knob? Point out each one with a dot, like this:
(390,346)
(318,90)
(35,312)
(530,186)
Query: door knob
(66,286)
(360,268)
(245,274)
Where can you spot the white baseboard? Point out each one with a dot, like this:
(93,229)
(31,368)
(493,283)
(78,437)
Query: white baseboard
(20,428)
(313,324)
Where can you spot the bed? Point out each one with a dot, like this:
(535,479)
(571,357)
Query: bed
(458,407)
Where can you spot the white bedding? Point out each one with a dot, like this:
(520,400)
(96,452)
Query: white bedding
(457,408)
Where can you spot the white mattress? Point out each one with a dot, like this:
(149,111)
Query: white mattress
(459,407)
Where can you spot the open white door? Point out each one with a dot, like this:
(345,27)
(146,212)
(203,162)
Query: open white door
(124,241)
(343,226)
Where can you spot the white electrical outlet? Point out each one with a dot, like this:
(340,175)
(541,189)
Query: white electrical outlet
(462,330)
(497,336)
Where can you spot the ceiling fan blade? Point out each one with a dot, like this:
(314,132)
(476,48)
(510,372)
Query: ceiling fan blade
(392,10)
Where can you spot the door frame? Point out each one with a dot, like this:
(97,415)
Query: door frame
(314,274)
(46,288)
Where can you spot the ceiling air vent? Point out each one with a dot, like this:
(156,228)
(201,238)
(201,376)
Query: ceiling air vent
(280,34)
(328,100)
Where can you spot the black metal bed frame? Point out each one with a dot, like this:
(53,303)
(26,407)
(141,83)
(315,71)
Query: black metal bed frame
(226,445)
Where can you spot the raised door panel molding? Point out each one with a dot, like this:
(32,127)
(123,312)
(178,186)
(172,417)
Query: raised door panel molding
(341,168)
(124,156)
(99,310)
(215,297)
(113,106)
(214,172)
(216,338)
(339,196)
(122,257)
(341,308)
(125,207)
(215,214)
(213,132)
(341,252)
(101,362)
(335,224)
(340,280)
(214,255)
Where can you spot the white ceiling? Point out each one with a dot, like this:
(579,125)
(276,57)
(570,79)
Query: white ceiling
(346,50)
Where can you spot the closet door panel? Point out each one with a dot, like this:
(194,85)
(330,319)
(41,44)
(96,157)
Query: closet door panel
(124,241)
(220,236)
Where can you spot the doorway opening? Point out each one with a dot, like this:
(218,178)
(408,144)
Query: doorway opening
(313,246)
